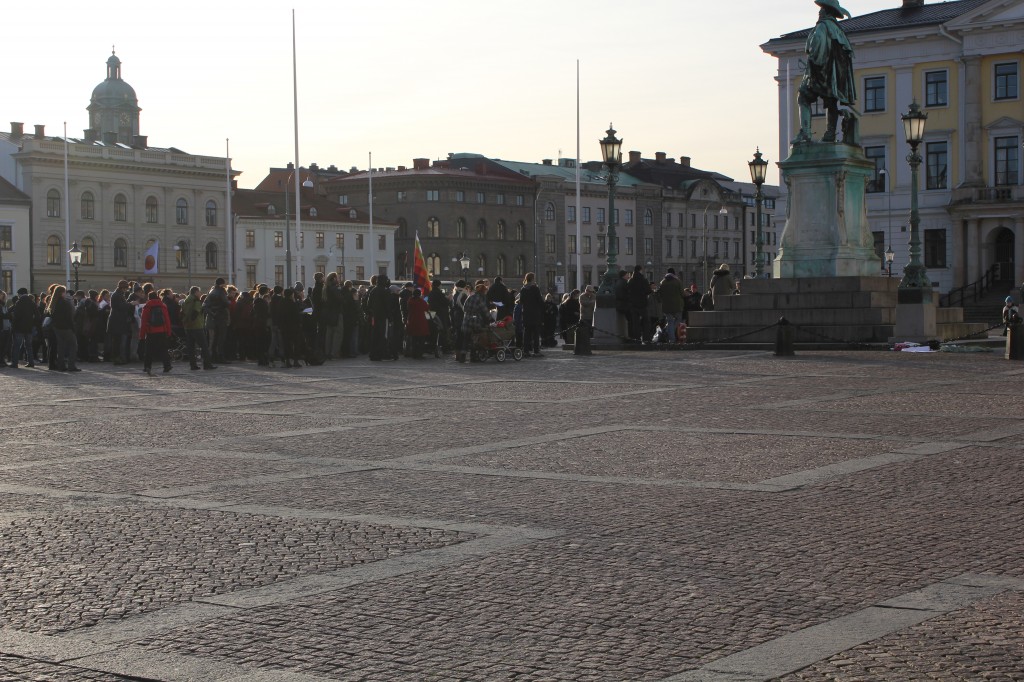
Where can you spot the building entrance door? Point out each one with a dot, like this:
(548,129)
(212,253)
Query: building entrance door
(1004,255)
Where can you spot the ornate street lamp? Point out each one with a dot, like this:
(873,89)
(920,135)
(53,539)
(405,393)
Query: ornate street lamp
(758,169)
(889,256)
(611,154)
(76,260)
(914,274)
(464,261)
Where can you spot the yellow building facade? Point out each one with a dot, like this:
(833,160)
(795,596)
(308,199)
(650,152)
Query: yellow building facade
(961,61)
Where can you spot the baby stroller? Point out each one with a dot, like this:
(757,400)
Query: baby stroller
(496,342)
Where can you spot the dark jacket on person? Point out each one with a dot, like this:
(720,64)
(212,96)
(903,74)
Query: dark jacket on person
(497,294)
(24,315)
(331,304)
(62,313)
(440,304)
(216,304)
(671,290)
(637,289)
(121,313)
(533,304)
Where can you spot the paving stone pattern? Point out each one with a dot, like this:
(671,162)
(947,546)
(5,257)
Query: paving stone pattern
(722,516)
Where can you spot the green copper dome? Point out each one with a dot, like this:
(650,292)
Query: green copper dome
(113,91)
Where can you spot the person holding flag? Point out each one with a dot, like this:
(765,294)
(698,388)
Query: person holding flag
(420,276)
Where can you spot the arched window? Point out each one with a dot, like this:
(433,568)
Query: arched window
(88,247)
(460,228)
(88,206)
(54,251)
(433,227)
(549,211)
(211,256)
(152,210)
(53,204)
(520,265)
(181,212)
(120,253)
(499,266)
(648,217)
(120,208)
(481,229)
(403,228)
(481,265)
(181,255)
(501,230)
(521,231)
(211,213)
(434,264)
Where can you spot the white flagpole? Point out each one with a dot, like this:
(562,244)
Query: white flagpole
(579,211)
(230,215)
(298,168)
(67,211)
(370,271)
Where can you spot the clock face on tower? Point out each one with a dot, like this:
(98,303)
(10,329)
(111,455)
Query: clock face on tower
(125,118)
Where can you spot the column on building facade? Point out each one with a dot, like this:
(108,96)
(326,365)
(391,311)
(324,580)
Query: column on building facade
(1018,251)
(973,250)
(972,135)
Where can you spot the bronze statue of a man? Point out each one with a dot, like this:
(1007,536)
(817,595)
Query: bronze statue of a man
(829,72)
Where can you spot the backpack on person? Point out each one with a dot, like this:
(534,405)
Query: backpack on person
(156,317)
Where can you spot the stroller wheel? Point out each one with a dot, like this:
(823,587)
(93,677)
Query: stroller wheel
(517,354)
(499,355)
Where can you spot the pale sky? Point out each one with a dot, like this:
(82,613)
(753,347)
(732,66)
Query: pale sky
(405,79)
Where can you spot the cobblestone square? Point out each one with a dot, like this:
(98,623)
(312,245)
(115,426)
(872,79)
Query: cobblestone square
(719,516)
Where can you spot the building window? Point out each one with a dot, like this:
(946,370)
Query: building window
(211,213)
(648,246)
(402,196)
(499,199)
(120,208)
(480,197)
(481,229)
(1006,80)
(668,247)
(460,228)
(629,217)
(433,227)
(319,237)
(460,196)
(279,275)
(520,231)
(817,108)
(53,204)
(120,253)
(520,266)
(501,230)
(382,242)
(361,272)
(278,239)
(152,210)
(211,256)
(499,266)
(481,264)
(88,247)
(1007,158)
(5,238)
(600,245)
(343,200)
(549,243)
(250,239)
(433,195)
(936,163)
(600,215)
(874,93)
(250,275)
(359,244)
(339,240)
(629,246)
(586,243)
(693,248)
(879,239)
(520,200)
(935,248)
(648,217)
(181,212)
(88,206)
(549,211)
(572,243)
(570,214)
(936,89)
(877,182)
(403,228)
(54,252)
(586,215)
(7,280)
(433,262)
(181,255)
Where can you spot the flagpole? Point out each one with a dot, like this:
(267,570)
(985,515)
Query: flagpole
(231,219)
(297,173)
(579,211)
(370,270)
(67,210)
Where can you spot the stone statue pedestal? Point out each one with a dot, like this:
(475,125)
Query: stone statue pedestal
(915,316)
(826,232)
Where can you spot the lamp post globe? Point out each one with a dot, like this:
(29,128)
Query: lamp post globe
(915,276)
(758,170)
(464,262)
(611,154)
(75,254)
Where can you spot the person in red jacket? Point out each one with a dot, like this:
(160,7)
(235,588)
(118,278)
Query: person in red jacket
(417,327)
(155,331)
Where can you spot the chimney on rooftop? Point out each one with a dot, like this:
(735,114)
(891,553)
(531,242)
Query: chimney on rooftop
(912,3)
(420,164)
(685,160)
(109,137)
(660,157)
(546,162)
(40,134)
(313,168)
(290,166)
(141,141)
(401,168)
(635,157)
(90,134)
(17,129)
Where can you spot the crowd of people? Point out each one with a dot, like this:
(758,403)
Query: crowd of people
(331,320)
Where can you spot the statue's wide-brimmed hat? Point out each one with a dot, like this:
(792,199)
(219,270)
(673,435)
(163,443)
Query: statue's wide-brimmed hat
(833,7)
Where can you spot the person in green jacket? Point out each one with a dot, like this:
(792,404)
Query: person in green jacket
(195,331)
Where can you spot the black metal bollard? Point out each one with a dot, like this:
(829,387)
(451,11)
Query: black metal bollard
(784,335)
(1015,342)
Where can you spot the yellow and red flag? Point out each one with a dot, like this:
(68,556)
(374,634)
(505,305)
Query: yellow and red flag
(420,276)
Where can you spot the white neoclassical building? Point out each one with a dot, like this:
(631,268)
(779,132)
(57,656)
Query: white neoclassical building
(115,197)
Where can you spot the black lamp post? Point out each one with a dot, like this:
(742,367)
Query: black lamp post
(914,274)
(758,169)
(464,262)
(889,256)
(76,260)
(611,154)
